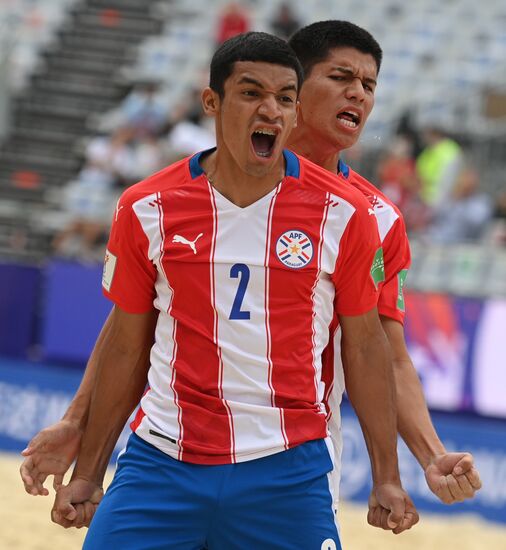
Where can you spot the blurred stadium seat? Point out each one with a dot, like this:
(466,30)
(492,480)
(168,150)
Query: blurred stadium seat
(72,62)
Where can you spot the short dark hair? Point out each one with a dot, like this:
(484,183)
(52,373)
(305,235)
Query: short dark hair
(313,43)
(251,46)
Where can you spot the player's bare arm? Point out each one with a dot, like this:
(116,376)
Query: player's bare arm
(452,477)
(53,449)
(370,387)
(121,376)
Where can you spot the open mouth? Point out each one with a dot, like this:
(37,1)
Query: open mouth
(263,141)
(349,119)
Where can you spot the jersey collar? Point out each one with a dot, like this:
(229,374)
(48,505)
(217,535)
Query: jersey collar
(343,168)
(291,160)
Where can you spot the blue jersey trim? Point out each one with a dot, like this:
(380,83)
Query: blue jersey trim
(195,169)
(343,168)
(292,163)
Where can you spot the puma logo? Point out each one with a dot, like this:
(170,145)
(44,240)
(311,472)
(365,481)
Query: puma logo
(183,240)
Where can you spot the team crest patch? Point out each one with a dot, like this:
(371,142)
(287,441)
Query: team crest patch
(294,249)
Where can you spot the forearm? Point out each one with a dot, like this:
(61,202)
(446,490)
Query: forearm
(370,388)
(78,409)
(120,383)
(413,418)
(121,376)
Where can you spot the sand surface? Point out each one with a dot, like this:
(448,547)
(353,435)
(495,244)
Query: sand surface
(25,525)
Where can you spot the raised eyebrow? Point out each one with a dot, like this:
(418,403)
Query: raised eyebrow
(351,73)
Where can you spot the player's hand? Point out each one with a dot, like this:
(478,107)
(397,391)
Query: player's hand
(50,452)
(391,508)
(452,477)
(76,503)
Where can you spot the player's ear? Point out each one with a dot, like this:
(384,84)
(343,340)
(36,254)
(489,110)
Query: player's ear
(210,102)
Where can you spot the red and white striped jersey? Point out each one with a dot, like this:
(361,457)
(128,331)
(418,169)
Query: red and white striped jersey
(397,258)
(246,297)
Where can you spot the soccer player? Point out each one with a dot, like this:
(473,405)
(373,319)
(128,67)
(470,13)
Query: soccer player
(341,62)
(235,262)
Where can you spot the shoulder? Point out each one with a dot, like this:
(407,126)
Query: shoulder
(314,177)
(387,213)
(371,192)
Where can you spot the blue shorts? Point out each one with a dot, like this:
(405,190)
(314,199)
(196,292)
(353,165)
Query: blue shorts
(279,502)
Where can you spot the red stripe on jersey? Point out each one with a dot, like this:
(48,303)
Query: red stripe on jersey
(215,334)
(293,375)
(204,416)
(136,422)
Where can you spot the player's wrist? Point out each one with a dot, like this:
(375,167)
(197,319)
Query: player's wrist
(393,478)
(88,474)
(77,414)
(429,456)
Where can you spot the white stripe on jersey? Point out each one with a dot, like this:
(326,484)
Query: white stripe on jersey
(386,216)
(241,241)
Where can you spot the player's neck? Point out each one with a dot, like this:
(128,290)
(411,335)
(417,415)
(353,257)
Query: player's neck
(316,151)
(238,186)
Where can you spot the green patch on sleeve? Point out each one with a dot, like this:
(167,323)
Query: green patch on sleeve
(401,279)
(378,268)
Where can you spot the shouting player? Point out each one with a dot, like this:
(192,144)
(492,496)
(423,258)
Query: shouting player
(341,62)
(235,263)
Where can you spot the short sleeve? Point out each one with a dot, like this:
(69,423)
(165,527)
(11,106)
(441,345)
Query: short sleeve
(359,267)
(397,258)
(129,276)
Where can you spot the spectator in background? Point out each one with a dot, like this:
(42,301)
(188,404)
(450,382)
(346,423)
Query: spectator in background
(89,200)
(398,179)
(232,21)
(190,130)
(497,231)
(465,214)
(285,23)
(189,136)
(148,157)
(143,110)
(438,166)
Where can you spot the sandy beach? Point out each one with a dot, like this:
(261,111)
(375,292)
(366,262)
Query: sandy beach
(25,525)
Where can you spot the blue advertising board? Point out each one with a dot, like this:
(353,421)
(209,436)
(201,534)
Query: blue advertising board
(32,397)
(484,438)
(74,310)
(19,293)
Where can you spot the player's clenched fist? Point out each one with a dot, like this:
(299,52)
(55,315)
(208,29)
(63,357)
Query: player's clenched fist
(76,503)
(452,477)
(50,452)
(391,508)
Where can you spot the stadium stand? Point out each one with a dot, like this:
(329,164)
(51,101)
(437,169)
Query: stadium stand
(443,62)
(74,78)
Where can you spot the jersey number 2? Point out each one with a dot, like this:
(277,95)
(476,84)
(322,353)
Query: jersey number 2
(242,271)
